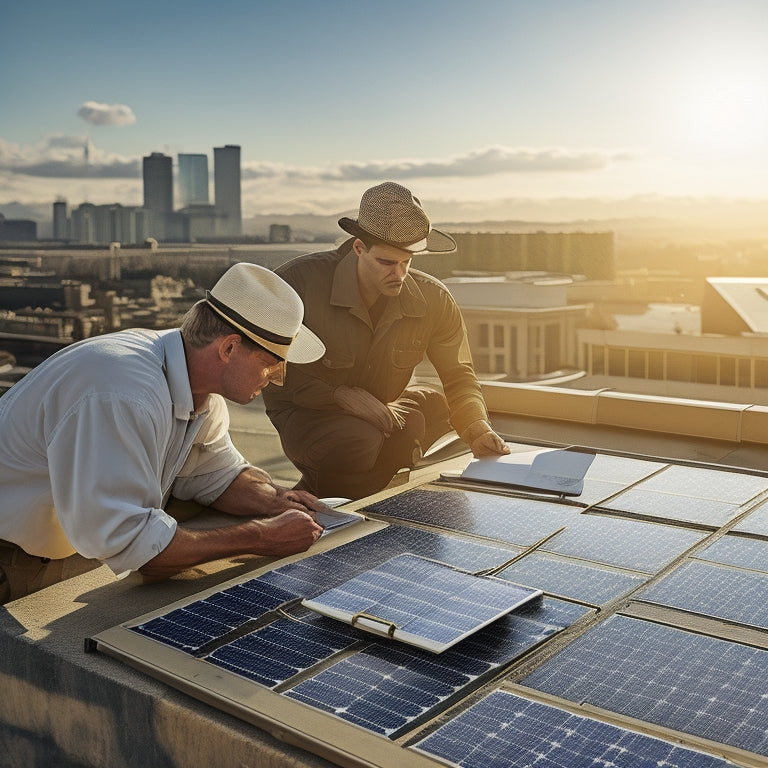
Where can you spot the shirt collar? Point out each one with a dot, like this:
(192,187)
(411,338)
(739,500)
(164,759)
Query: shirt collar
(175,363)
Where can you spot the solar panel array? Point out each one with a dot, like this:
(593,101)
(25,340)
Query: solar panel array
(506,731)
(648,579)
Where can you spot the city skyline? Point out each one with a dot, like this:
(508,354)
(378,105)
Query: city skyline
(494,109)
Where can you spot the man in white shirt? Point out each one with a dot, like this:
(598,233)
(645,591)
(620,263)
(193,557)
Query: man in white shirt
(97,438)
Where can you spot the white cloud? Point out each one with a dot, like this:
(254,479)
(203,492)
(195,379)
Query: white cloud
(95,113)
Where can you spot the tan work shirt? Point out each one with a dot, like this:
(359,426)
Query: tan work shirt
(423,319)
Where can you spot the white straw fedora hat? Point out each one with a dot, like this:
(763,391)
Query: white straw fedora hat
(393,215)
(267,310)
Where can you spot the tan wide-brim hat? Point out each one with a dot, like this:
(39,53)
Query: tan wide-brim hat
(393,215)
(263,307)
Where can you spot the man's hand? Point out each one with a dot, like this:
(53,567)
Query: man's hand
(285,534)
(254,493)
(483,441)
(357,401)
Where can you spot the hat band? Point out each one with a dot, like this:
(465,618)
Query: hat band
(230,314)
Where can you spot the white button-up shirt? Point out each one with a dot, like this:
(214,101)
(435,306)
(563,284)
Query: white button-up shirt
(93,441)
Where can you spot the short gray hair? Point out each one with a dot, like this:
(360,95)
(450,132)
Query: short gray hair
(201,325)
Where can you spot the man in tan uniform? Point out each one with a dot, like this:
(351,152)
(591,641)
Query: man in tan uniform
(350,420)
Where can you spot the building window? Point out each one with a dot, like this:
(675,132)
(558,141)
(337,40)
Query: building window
(744,372)
(636,364)
(617,362)
(656,365)
(761,374)
(705,369)
(727,371)
(679,367)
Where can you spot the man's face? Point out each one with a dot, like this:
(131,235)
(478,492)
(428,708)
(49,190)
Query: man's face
(381,269)
(254,369)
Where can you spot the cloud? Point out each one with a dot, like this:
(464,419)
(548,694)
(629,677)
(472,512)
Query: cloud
(487,161)
(95,113)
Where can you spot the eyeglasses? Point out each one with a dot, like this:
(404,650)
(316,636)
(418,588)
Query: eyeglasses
(275,374)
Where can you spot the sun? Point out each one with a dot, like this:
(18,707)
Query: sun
(722,109)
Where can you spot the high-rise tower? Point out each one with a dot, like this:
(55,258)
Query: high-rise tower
(158,191)
(226,182)
(193,179)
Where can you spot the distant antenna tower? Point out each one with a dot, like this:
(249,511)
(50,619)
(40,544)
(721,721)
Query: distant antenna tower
(87,150)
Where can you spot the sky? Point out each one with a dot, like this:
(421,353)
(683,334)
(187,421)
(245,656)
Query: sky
(486,109)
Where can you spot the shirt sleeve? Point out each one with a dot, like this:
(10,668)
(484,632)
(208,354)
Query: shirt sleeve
(449,352)
(104,461)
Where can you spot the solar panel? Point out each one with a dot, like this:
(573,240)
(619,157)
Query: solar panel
(389,687)
(740,551)
(755,523)
(610,475)
(692,683)
(645,503)
(312,575)
(506,731)
(704,483)
(520,521)
(572,579)
(714,590)
(272,655)
(694,495)
(629,544)
(420,601)
(193,626)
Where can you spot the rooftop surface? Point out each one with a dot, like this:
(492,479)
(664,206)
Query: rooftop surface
(650,642)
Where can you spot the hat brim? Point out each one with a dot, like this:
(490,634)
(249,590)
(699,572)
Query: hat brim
(437,241)
(305,347)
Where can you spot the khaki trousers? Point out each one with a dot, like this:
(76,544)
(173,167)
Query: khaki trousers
(22,574)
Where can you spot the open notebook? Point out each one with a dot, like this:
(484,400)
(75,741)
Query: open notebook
(546,470)
(421,602)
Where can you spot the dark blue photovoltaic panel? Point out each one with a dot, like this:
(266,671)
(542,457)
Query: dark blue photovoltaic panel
(315,574)
(279,651)
(521,521)
(428,604)
(755,522)
(692,683)
(193,626)
(631,544)
(506,731)
(668,506)
(573,579)
(714,590)
(388,686)
(740,551)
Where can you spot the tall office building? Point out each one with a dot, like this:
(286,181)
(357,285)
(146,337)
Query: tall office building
(193,179)
(60,220)
(158,192)
(226,182)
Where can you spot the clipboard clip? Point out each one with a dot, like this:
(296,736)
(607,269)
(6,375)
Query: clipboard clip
(390,625)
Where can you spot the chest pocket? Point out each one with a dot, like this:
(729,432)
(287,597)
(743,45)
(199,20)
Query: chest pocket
(407,358)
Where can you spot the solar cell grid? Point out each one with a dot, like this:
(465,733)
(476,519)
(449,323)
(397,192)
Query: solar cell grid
(692,683)
(755,523)
(315,574)
(506,731)
(420,601)
(193,626)
(739,551)
(714,590)
(572,579)
(630,544)
(704,483)
(621,469)
(520,521)
(387,687)
(277,652)
(645,502)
